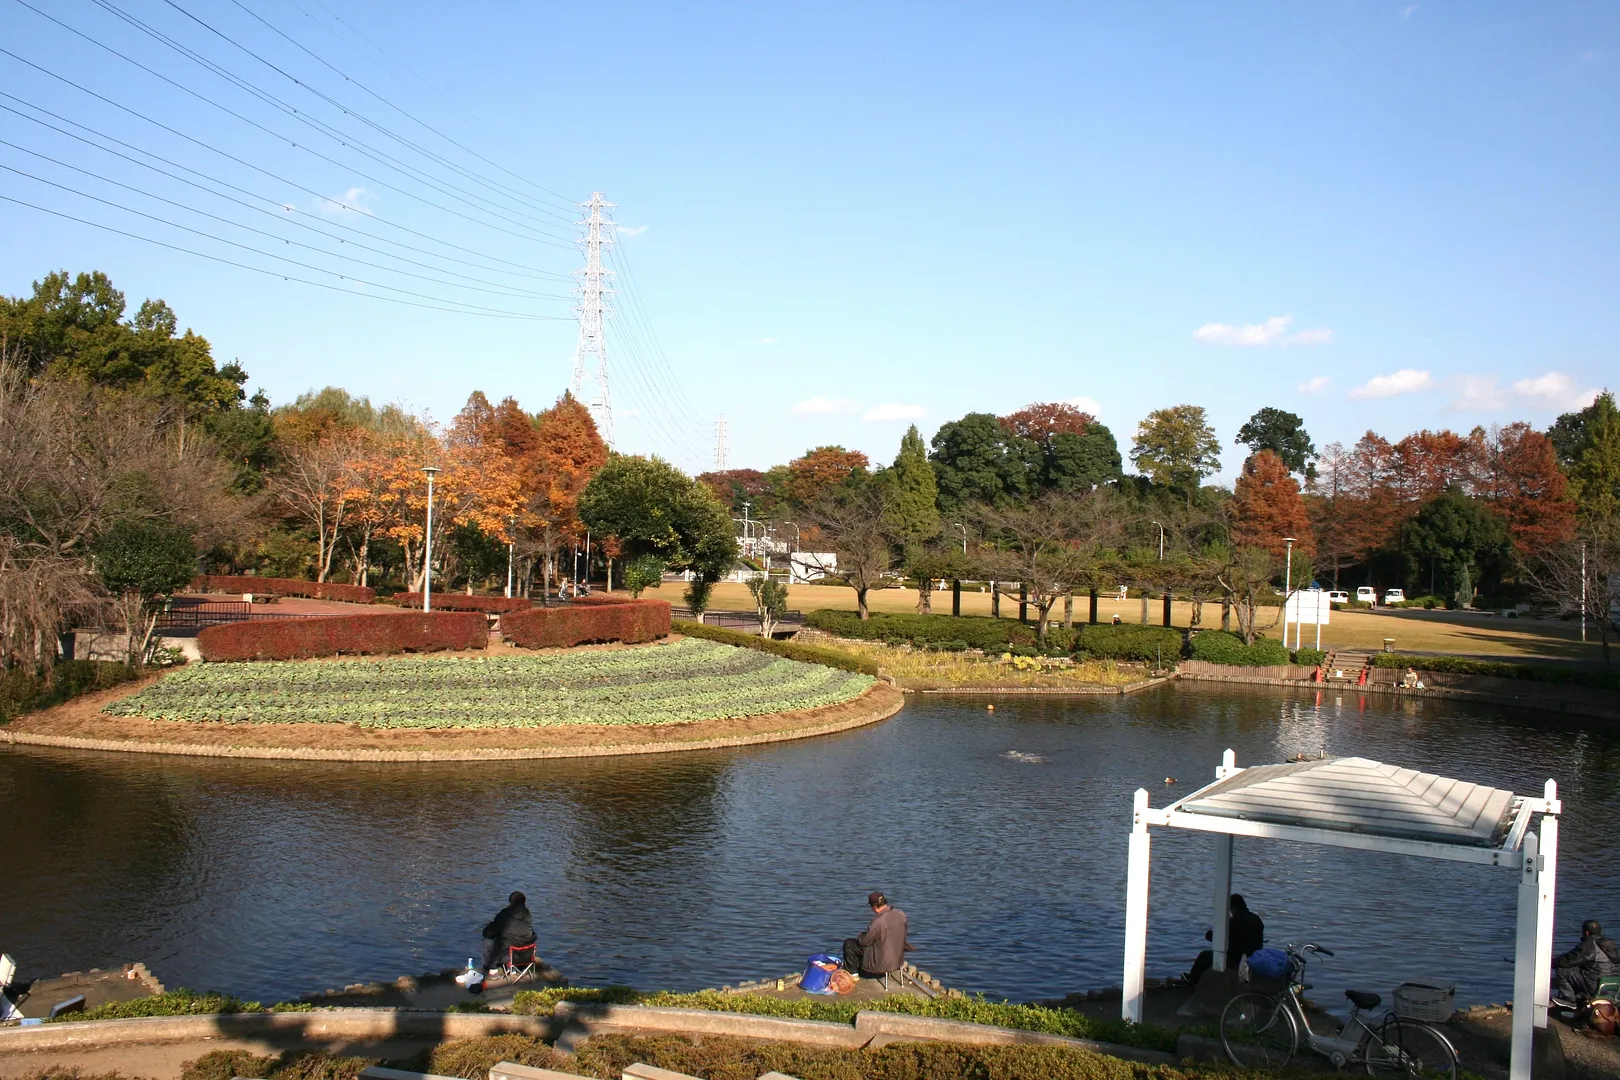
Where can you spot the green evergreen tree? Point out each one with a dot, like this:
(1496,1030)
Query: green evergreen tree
(914,510)
(1594,478)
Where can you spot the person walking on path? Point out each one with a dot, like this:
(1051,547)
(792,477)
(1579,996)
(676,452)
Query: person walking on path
(511,927)
(882,948)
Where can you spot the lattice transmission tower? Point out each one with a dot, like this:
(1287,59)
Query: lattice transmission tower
(594,291)
(720,445)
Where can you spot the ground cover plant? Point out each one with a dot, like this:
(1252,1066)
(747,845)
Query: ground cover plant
(927,669)
(793,650)
(680,682)
(976,1010)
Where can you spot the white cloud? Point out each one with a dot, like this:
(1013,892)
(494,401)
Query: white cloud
(767,341)
(1478,393)
(1315,385)
(1406,12)
(356,199)
(1555,390)
(894,411)
(1274,331)
(1404,381)
(630,230)
(1085,404)
(821,405)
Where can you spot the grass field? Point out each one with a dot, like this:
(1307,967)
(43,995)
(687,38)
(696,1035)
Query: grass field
(1451,632)
(683,682)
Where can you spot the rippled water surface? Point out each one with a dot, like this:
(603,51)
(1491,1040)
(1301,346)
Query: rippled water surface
(1002,834)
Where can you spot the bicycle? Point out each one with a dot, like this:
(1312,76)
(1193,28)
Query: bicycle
(1261,1030)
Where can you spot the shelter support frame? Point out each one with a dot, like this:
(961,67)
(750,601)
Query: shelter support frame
(1533,855)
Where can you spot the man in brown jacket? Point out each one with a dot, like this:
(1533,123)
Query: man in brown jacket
(882,948)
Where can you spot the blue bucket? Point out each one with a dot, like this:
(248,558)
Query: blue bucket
(815,978)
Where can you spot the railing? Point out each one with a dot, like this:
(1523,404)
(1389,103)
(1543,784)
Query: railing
(192,615)
(747,621)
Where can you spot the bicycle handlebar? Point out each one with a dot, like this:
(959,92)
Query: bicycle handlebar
(1311,946)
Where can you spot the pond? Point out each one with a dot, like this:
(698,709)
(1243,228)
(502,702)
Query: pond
(1001,832)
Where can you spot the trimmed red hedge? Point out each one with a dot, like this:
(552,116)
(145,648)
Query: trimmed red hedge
(280,586)
(299,639)
(583,623)
(450,601)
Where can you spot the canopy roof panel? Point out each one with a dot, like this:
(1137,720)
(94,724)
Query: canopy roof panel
(1358,795)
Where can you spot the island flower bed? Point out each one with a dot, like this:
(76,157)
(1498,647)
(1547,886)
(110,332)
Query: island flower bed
(682,682)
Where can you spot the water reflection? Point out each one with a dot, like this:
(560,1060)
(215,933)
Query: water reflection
(270,879)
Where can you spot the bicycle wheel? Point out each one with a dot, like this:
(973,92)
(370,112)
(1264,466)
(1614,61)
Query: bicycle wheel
(1412,1049)
(1258,1031)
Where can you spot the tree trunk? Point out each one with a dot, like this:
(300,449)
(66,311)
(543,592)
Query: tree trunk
(925,596)
(860,603)
(1043,615)
(1068,610)
(1226,614)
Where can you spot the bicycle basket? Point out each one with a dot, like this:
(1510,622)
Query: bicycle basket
(1269,964)
(1425,1001)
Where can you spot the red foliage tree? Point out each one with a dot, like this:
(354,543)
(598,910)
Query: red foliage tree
(1045,420)
(1266,507)
(1524,485)
(825,467)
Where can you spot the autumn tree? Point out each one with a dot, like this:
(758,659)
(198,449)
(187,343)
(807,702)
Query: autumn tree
(1072,451)
(1266,507)
(1334,512)
(811,477)
(569,452)
(1050,545)
(314,481)
(735,487)
(851,523)
(1525,487)
(1176,447)
(1283,433)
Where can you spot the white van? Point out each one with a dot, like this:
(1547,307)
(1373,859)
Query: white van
(1338,596)
(1366,594)
(1394,596)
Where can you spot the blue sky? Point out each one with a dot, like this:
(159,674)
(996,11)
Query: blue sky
(842,219)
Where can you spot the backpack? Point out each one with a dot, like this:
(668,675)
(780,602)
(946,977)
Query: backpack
(1602,1017)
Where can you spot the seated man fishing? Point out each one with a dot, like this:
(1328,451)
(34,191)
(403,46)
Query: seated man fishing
(1245,934)
(1577,973)
(511,928)
(882,948)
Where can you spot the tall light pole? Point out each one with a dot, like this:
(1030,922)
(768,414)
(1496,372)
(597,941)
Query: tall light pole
(1583,592)
(1161,541)
(1288,585)
(795,525)
(511,546)
(963,527)
(427,552)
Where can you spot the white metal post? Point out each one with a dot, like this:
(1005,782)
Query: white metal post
(1545,905)
(1223,899)
(1136,913)
(427,550)
(1525,972)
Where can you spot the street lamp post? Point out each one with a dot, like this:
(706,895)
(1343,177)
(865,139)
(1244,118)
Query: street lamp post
(511,547)
(1288,587)
(1161,541)
(795,525)
(1583,592)
(963,527)
(427,551)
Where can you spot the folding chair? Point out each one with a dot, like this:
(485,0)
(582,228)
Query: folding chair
(520,961)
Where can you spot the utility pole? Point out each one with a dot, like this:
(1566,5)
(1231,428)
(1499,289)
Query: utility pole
(590,355)
(427,546)
(720,444)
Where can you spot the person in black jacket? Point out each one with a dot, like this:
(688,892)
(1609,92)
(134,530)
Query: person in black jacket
(1577,973)
(1245,934)
(511,927)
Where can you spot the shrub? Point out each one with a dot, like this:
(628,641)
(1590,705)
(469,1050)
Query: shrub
(977,631)
(473,1058)
(1309,657)
(179,1002)
(585,621)
(494,605)
(301,639)
(1220,647)
(1144,643)
(273,586)
(24,691)
(225,1064)
(1461,665)
(809,654)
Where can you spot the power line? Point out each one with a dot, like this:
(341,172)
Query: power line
(566,202)
(471,308)
(269,273)
(526,235)
(496,291)
(243,162)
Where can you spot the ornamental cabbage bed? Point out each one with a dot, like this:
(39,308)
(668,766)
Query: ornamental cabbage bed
(681,682)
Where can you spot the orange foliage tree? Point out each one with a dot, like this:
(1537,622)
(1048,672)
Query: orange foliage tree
(820,470)
(1524,485)
(568,450)
(1266,507)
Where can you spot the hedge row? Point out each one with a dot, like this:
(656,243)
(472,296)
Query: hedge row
(449,601)
(809,654)
(380,634)
(627,620)
(1220,647)
(24,691)
(1459,665)
(278,586)
(958,632)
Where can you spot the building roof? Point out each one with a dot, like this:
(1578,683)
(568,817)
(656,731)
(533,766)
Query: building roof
(1358,795)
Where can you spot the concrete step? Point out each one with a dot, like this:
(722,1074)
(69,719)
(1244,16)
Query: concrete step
(508,1070)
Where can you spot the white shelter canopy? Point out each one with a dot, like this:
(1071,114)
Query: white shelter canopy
(1358,803)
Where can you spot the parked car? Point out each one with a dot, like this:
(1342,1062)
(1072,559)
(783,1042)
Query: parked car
(1366,594)
(1338,596)
(1394,596)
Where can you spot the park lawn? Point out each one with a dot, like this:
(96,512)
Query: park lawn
(685,681)
(1449,632)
